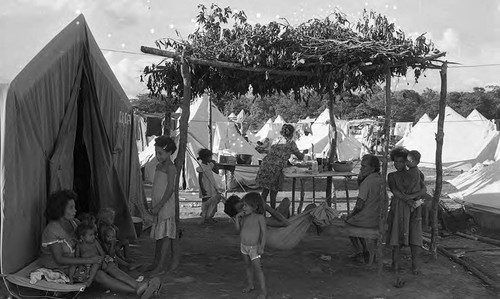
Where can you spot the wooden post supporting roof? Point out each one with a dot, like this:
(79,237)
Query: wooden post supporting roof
(384,199)
(439,164)
(181,153)
(332,155)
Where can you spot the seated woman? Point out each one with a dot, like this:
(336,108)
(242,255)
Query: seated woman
(58,248)
(366,213)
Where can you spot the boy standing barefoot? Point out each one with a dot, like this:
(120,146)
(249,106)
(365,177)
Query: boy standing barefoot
(252,226)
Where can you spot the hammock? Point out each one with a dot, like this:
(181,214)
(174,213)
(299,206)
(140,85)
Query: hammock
(286,238)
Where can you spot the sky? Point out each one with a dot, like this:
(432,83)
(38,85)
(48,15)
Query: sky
(468,30)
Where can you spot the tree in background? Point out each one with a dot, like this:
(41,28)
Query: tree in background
(408,106)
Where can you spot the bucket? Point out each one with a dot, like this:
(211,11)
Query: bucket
(137,225)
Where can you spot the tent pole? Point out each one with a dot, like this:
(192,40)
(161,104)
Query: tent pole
(181,153)
(384,199)
(439,164)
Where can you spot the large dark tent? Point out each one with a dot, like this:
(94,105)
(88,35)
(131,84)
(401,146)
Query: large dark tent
(65,123)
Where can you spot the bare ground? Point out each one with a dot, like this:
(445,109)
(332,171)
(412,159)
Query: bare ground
(212,267)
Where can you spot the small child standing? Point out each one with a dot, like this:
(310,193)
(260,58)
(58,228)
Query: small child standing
(86,247)
(252,226)
(415,177)
(208,191)
(164,229)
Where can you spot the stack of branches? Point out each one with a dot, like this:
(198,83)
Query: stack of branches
(325,54)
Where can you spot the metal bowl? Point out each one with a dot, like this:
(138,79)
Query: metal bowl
(343,166)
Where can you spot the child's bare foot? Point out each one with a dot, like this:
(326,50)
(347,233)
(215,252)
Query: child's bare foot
(248,289)
(141,288)
(152,287)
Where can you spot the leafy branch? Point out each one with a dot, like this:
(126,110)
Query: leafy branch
(338,55)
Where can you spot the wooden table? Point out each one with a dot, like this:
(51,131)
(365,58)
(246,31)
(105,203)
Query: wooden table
(346,176)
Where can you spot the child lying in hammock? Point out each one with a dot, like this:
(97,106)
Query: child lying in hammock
(279,217)
(282,232)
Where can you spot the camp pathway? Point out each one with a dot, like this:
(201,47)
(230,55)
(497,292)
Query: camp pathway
(211,267)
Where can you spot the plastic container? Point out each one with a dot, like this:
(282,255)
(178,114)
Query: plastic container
(314,167)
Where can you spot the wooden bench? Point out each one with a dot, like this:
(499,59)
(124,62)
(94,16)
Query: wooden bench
(372,235)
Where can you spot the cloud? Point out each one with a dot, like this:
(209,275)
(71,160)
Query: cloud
(56,5)
(128,71)
(450,42)
(125,12)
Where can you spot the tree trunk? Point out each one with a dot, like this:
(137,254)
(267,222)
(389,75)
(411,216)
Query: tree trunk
(181,152)
(385,200)
(167,123)
(210,125)
(439,164)
(332,155)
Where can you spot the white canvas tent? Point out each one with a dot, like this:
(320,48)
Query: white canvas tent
(279,120)
(479,189)
(324,118)
(241,116)
(232,116)
(269,130)
(465,143)
(224,135)
(424,119)
(348,148)
(477,118)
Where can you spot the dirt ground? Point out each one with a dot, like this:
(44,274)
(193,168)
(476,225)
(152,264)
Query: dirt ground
(211,267)
(319,267)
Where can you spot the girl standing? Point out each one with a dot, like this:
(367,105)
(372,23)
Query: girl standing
(163,204)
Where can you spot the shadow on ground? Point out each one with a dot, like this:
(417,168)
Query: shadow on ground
(212,267)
